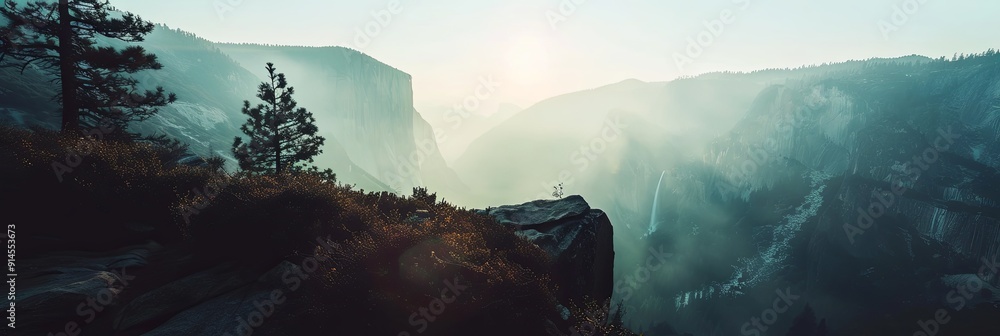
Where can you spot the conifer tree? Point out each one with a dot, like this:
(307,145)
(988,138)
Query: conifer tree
(282,135)
(59,38)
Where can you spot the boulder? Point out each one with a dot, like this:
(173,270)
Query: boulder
(577,238)
(68,289)
(238,311)
(161,303)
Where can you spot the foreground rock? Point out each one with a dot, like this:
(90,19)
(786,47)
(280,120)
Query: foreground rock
(579,240)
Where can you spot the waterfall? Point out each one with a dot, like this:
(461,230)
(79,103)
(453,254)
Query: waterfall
(656,203)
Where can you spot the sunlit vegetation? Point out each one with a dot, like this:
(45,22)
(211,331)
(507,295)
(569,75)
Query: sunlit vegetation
(392,256)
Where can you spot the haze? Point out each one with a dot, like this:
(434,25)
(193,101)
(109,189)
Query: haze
(449,46)
(692,163)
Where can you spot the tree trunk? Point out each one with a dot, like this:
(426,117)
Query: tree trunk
(275,133)
(67,70)
(277,156)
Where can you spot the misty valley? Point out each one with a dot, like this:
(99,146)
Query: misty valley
(158,182)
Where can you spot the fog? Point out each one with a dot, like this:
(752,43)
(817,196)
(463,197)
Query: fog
(726,140)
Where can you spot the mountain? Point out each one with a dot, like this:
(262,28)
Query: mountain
(864,195)
(749,180)
(367,106)
(574,135)
(364,108)
(873,188)
(457,129)
(581,135)
(363,104)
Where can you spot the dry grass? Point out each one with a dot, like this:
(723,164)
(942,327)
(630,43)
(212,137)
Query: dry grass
(386,265)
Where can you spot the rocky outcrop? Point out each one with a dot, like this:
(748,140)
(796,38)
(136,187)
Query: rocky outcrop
(579,240)
(214,302)
(64,291)
(117,292)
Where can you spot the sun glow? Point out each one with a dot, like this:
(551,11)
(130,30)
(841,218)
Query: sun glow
(527,61)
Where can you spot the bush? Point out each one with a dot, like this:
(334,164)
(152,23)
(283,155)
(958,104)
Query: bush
(385,266)
(73,192)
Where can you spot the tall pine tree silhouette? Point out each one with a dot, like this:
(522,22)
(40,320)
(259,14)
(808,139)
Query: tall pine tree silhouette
(59,38)
(282,135)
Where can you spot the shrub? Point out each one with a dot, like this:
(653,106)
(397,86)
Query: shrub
(73,192)
(383,269)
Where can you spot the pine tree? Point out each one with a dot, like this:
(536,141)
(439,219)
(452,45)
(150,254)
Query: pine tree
(281,134)
(58,37)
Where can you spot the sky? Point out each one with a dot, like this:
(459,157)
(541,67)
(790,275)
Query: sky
(536,49)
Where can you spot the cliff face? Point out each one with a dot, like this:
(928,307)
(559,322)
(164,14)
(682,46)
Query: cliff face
(366,105)
(932,131)
(855,188)
(429,162)
(363,107)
